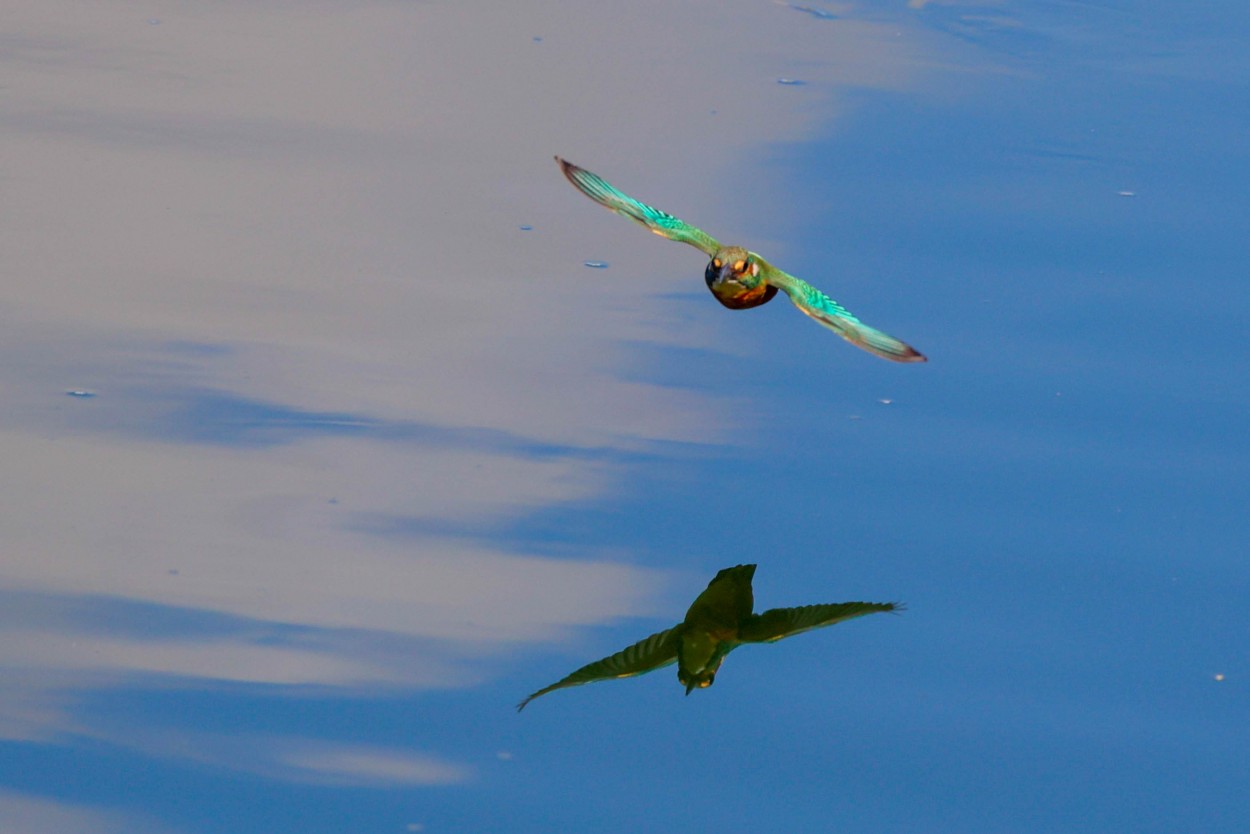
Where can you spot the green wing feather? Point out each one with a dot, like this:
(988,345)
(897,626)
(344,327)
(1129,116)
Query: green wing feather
(837,318)
(655,652)
(663,224)
(777,623)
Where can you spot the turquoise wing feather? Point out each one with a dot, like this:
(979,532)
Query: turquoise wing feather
(662,223)
(655,652)
(777,623)
(837,318)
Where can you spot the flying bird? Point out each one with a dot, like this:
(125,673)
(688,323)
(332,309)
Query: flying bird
(738,278)
(719,621)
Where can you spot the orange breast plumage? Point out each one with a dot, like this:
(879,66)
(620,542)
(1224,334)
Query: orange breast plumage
(738,297)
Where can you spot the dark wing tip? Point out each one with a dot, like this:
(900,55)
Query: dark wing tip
(902,352)
(578,175)
(914,356)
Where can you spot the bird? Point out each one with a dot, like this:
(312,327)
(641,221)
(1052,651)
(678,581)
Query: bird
(719,621)
(741,279)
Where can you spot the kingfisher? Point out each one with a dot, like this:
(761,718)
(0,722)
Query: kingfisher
(719,621)
(741,279)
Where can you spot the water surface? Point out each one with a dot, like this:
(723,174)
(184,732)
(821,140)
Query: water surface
(370,453)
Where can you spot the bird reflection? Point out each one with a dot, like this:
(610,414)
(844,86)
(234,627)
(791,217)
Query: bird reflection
(718,621)
(738,278)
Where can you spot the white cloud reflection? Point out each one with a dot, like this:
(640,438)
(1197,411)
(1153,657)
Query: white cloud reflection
(314,207)
(295,759)
(373,766)
(33,815)
(222,659)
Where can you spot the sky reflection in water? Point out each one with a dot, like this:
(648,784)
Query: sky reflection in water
(369,459)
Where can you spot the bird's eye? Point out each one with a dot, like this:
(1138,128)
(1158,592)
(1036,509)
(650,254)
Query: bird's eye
(739,266)
(715,263)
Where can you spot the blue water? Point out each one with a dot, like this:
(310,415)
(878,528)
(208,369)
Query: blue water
(1057,220)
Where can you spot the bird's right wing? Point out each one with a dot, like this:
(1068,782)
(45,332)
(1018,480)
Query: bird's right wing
(647,655)
(777,623)
(662,223)
(840,320)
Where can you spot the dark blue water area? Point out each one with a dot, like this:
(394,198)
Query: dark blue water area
(1059,495)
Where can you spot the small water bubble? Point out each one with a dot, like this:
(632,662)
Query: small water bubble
(154,21)
(538,39)
(527,228)
(597,264)
(504,756)
(1219,676)
(81,393)
(1127,193)
(885,402)
(791,82)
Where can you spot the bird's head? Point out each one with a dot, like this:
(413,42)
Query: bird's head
(732,263)
(733,276)
(698,659)
(700,680)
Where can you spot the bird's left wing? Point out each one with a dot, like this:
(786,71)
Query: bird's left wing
(663,224)
(777,623)
(840,320)
(655,652)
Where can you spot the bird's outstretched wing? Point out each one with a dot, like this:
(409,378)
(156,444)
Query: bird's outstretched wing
(840,320)
(663,224)
(655,652)
(777,623)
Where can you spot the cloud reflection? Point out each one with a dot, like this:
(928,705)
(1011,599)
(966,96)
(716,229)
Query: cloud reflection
(31,815)
(326,362)
(169,529)
(295,759)
(371,766)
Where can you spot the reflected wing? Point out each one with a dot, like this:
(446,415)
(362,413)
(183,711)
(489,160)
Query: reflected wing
(837,318)
(647,655)
(665,225)
(777,623)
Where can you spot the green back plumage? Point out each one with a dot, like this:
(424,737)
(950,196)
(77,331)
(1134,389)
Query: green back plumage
(726,601)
